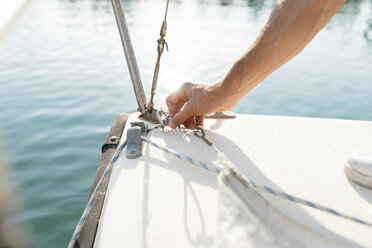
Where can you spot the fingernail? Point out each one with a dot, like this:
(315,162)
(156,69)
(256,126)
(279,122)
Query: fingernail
(172,125)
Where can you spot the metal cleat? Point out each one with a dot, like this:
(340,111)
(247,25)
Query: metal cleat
(134,142)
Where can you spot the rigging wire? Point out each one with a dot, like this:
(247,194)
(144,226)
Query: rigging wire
(161,44)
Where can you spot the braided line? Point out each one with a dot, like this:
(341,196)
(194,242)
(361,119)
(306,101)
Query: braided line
(259,187)
(94,195)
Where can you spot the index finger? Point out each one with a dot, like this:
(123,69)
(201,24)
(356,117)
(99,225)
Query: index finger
(175,101)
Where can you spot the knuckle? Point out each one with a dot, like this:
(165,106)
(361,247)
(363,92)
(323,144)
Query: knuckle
(187,85)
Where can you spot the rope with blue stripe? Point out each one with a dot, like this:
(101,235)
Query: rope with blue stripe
(95,193)
(182,157)
(264,188)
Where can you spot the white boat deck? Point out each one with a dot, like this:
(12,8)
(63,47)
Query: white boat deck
(159,201)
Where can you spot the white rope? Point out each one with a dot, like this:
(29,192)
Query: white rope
(94,195)
(187,159)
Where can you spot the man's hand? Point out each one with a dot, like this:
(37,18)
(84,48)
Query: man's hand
(190,103)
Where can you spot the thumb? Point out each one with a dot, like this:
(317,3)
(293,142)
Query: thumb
(181,116)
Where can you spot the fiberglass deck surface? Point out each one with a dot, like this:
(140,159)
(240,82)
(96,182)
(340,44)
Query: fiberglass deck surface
(159,201)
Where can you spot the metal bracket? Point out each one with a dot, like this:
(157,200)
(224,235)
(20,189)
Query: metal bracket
(150,115)
(142,125)
(163,118)
(134,142)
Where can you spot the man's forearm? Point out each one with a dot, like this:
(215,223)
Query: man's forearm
(291,26)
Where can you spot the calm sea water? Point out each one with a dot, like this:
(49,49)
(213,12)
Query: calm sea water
(63,80)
